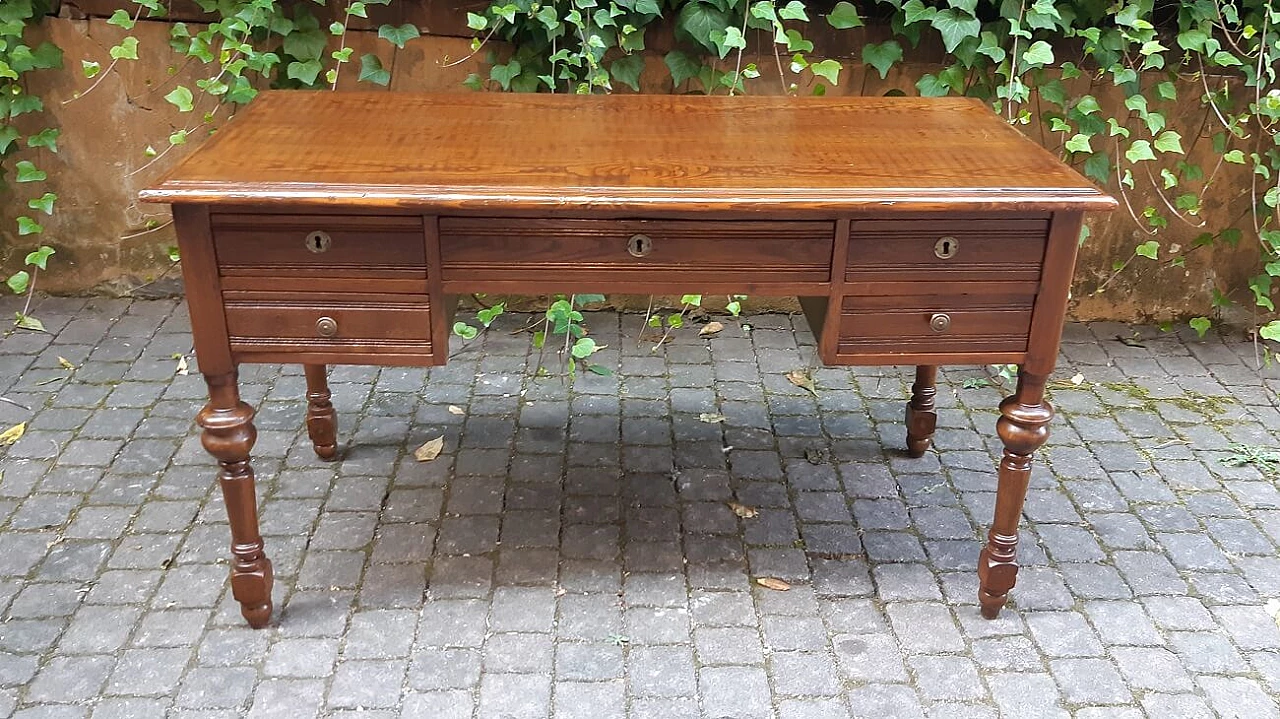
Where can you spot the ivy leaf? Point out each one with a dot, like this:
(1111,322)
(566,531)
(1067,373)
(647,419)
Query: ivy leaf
(627,69)
(8,135)
(44,203)
(181,98)
(1223,58)
(1235,156)
(1169,141)
(28,226)
(1098,167)
(305,45)
(727,39)
(19,281)
(915,11)
(371,70)
(1200,325)
(1167,91)
(504,74)
(681,66)
(1087,105)
(1149,249)
(489,314)
(828,70)
(44,57)
(698,20)
(126,50)
(955,25)
(47,137)
(583,348)
(40,257)
(178,138)
(1040,53)
(90,69)
(882,56)
(844,16)
(28,172)
(477,22)
(27,322)
(357,9)
(304,72)
(1079,143)
(1139,151)
(1270,331)
(793,10)
(121,18)
(398,36)
(465,331)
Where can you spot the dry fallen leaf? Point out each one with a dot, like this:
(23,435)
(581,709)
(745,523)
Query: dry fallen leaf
(711,417)
(743,510)
(430,450)
(182,365)
(13,434)
(710,328)
(455,409)
(65,363)
(773,583)
(1078,379)
(801,379)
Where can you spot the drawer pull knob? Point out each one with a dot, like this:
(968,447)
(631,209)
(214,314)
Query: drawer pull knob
(319,241)
(940,322)
(640,245)
(326,327)
(946,247)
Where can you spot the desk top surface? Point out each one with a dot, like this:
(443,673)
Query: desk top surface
(643,153)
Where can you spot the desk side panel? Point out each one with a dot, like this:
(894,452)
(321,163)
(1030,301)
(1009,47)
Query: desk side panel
(203,289)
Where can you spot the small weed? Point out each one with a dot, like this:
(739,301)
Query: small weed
(1267,461)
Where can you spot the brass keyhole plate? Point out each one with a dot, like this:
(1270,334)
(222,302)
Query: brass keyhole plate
(639,245)
(319,241)
(946,247)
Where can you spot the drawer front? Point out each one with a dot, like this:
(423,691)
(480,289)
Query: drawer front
(697,253)
(397,325)
(980,250)
(942,324)
(319,245)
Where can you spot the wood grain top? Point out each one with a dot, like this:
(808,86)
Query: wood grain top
(641,153)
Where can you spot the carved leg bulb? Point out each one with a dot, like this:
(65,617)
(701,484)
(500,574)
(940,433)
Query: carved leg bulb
(922,418)
(322,421)
(228,435)
(1023,427)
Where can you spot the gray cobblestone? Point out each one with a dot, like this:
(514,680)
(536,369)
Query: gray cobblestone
(551,563)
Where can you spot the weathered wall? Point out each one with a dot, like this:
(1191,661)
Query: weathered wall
(108,242)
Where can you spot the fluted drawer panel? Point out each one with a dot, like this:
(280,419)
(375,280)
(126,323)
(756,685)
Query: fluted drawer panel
(972,250)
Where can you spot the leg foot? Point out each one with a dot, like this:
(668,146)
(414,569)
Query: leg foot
(922,418)
(1023,427)
(322,421)
(229,435)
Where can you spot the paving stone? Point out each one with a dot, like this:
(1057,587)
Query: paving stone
(1237,697)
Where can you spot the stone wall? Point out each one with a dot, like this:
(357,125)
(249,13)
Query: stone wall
(107,242)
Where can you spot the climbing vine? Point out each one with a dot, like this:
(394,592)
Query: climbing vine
(1103,76)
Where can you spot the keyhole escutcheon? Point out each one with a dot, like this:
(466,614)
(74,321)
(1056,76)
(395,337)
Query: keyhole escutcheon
(319,241)
(640,245)
(946,247)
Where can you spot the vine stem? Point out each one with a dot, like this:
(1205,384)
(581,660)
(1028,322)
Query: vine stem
(104,73)
(472,54)
(1013,63)
(737,69)
(647,314)
(31,290)
(342,44)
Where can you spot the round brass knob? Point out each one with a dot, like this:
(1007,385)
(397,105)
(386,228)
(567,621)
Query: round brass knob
(640,245)
(940,322)
(946,247)
(318,241)
(326,327)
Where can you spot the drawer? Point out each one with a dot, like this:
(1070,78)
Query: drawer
(395,325)
(645,253)
(927,250)
(319,245)
(912,325)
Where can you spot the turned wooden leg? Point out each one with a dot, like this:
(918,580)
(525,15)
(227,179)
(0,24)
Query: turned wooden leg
(322,421)
(228,435)
(1023,427)
(922,419)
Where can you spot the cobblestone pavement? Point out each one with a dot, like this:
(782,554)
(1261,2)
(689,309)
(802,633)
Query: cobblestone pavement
(572,552)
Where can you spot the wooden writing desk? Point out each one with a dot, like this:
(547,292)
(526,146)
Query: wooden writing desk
(325,228)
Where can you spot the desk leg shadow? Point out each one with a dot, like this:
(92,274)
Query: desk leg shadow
(322,421)
(229,435)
